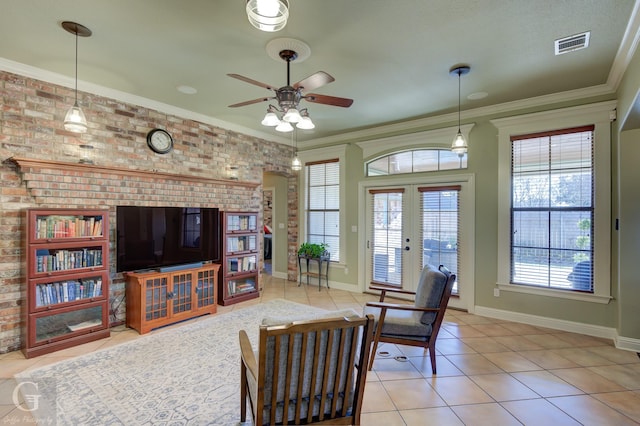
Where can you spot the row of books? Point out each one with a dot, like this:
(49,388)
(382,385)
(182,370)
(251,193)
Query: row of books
(241,243)
(242,264)
(239,287)
(67,291)
(241,223)
(63,260)
(68,226)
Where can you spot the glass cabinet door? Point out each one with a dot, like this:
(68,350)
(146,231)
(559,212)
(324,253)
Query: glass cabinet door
(206,289)
(156,298)
(181,292)
(59,325)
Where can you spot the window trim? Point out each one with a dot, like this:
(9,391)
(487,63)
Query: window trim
(599,115)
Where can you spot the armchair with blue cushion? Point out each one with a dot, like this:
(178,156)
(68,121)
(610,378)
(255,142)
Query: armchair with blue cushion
(417,324)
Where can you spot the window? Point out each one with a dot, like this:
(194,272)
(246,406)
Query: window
(414,161)
(323,205)
(552,209)
(554,202)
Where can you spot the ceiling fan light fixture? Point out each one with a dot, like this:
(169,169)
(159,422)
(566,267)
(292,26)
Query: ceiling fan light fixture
(268,15)
(292,115)
(305,123)
(296,164)
(284,127)
(270,119)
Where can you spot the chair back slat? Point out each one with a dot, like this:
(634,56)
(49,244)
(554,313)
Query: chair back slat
(307,371)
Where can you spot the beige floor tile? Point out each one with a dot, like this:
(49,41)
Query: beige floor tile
(390,369)
(548,341)
(589,411)
(412,394)
(452,346)
(585,380)
(388,418)
(548,359)
(485,414)
(459,390)
(430,416)
(582,341)
(624,375)
(521,329)
(493,330)
(376,398)
(538,412)
(503,387)
(18,417)
(615,355)
(511,362)
(463,331)
(628,403)
(444,367)
(546,384)
(471,364)
(484,344)
(470,319)
(517,343)
(582,357)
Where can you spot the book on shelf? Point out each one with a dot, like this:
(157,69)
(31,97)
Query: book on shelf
(67,291)
(68,227)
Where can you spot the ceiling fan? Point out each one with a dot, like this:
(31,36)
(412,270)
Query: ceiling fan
(289,96)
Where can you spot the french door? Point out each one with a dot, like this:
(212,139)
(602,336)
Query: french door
(409,226)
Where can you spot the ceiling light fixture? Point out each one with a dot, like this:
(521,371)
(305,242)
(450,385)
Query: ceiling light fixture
(75,120)
(292,116)
(459,145)
(296,164)
(268,15)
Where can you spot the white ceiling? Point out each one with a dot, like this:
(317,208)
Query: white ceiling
(391,57)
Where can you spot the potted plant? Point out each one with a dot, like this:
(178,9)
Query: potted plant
(312,250)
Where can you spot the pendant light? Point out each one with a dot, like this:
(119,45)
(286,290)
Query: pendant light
(296,164)
(459,145)
(75,120)
(268,15)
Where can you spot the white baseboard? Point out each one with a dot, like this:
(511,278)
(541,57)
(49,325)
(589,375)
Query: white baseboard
(557,324)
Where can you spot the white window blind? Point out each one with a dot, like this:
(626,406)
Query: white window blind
(386,241)
(552,209)
(323,205)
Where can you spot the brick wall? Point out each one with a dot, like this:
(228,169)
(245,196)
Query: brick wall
(195,173)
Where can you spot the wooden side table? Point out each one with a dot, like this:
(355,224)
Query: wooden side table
(322,260)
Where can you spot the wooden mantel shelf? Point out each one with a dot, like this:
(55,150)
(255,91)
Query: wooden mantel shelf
(93,168)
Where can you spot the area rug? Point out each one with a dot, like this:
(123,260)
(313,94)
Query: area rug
(187,375)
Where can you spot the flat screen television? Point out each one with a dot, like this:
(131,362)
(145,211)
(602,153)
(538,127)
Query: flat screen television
(156,237)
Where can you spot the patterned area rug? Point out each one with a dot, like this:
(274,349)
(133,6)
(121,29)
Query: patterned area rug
(189,375)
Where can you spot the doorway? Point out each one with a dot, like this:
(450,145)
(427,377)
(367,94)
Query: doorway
(411,224)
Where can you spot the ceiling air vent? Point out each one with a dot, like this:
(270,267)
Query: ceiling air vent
(571,43)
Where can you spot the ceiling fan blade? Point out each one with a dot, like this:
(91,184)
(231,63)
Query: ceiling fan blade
(314,81)
(329,100)
(254,101)
(251,81)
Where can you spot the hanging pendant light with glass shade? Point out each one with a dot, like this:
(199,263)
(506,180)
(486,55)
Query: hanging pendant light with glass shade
(75,120)
(459,145)
(296,164)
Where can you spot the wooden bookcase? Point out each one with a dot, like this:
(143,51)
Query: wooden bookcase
(239,272)
(156,298)
(67,259)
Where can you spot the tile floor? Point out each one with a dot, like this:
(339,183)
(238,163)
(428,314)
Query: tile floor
(490,372)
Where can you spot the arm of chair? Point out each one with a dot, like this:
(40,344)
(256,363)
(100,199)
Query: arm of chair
(383,291)
(248,357)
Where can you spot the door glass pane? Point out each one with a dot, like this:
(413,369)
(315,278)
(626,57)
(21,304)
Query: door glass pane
(387,238)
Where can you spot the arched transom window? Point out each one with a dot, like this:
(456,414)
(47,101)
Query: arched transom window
(415,161)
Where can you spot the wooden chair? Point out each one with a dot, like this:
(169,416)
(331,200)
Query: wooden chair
(306,372)
(417,324)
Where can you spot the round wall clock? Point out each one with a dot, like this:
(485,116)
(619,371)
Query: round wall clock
(160,141)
